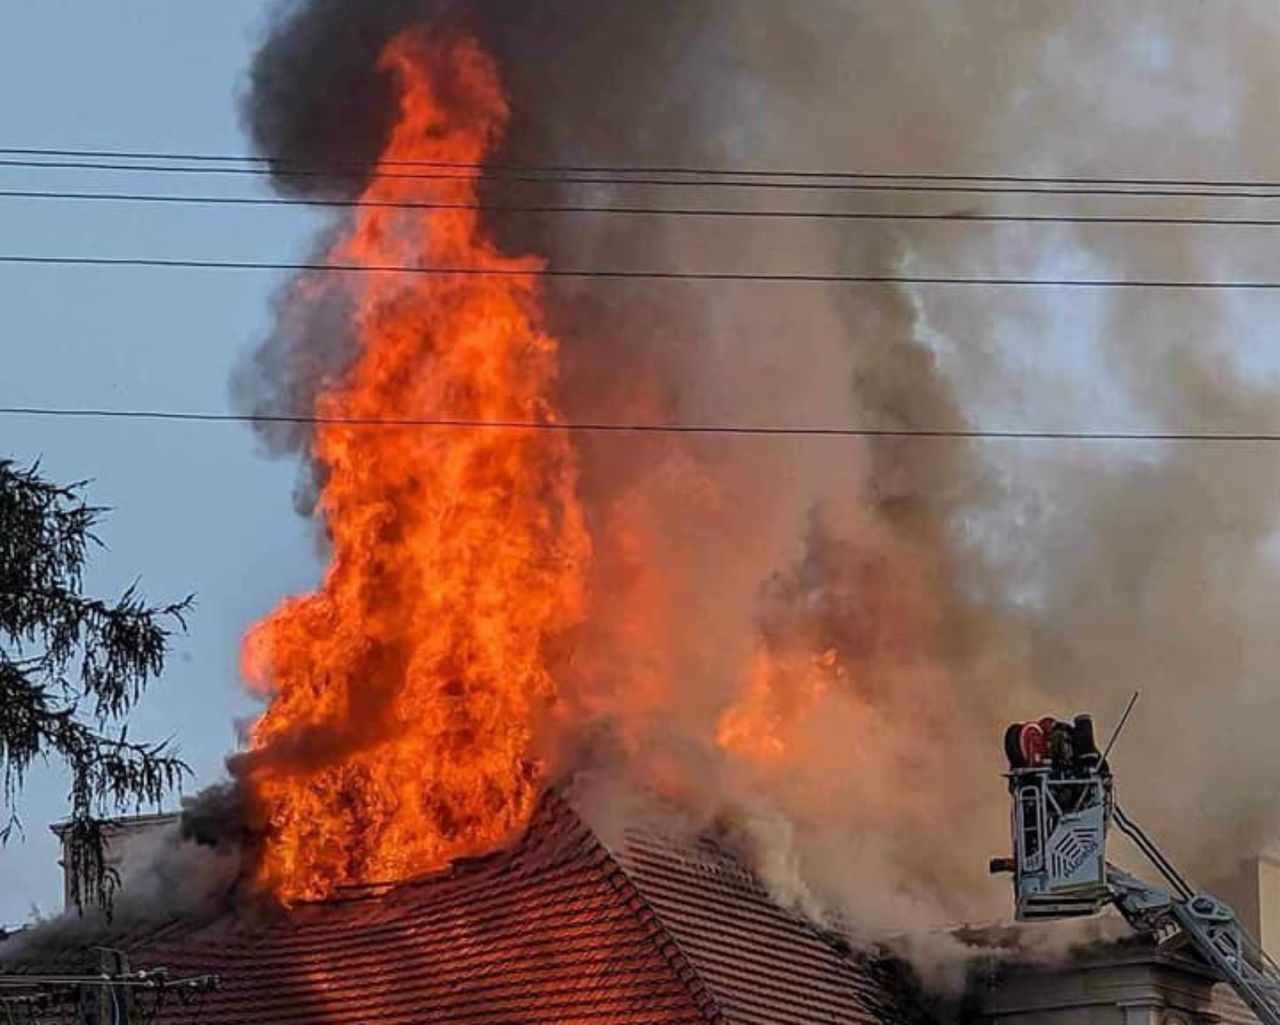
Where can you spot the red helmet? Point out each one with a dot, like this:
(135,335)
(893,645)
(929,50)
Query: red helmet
(1033,742)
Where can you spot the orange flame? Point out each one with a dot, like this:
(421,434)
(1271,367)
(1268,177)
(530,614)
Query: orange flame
(405,690)
(762,725)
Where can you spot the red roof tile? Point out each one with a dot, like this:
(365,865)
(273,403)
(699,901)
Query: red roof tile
(761,964)
(554,930)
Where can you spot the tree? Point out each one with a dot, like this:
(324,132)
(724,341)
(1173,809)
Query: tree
(72,668)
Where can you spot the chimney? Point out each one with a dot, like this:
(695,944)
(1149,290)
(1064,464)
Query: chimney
(124,837)
(1253,891)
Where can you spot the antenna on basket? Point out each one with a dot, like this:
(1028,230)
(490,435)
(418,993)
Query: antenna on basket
(1115,734)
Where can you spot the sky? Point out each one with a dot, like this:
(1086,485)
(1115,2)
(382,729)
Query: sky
(194,509)
(198,508)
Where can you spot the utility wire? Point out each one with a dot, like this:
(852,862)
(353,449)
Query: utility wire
(582,427)
(277,163)
(478,173)
(639,275)
(643,211)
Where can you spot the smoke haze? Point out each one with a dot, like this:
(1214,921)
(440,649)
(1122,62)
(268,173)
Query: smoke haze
(816,643)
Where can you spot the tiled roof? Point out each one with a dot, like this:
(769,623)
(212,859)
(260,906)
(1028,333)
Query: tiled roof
(762,965)
(555,929)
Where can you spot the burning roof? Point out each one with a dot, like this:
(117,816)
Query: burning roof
(553,928)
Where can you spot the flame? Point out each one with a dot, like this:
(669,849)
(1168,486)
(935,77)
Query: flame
(764,725)
(405,690)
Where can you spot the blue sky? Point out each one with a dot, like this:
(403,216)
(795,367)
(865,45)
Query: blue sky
(195,508)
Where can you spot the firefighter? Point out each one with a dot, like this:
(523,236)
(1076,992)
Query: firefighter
(1088,759)
(1061,749)
(1068,748)
(1025,745)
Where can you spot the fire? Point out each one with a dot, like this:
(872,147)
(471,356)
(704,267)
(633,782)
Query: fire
(405,691)
(762,725)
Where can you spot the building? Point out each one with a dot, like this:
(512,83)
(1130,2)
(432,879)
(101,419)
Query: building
(1118,984)
(559,928)
(121,840)
(555,929)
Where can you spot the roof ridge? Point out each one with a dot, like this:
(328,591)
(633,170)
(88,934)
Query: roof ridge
(667,945)
(555,806)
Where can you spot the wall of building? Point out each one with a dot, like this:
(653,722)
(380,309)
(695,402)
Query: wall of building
(1119,986)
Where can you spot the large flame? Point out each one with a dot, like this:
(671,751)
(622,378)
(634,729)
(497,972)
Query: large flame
(406,689)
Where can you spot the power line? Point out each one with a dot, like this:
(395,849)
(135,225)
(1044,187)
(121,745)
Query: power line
(939,176)
(491,174)
(582,427)
(640,275)
(643,211)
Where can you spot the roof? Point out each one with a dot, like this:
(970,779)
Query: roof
(126,824)
(762,964)
(555,929)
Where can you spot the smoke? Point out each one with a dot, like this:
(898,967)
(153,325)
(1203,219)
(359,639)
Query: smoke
(185,871)
(815,644)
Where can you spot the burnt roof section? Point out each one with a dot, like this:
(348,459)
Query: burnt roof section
(555,929)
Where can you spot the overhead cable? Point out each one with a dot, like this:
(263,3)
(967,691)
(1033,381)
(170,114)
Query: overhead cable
(642,211)
(273,163)
(581,427)
(641,275)
(491,174)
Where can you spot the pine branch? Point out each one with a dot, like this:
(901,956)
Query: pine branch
(72,668)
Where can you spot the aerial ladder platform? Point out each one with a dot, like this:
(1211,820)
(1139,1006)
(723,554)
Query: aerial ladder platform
(1064,806)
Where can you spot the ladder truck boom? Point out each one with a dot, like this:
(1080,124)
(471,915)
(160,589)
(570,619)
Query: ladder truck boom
(1063,808)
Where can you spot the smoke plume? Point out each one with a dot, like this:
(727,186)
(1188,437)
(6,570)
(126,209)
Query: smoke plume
(815,644)
(188,871)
